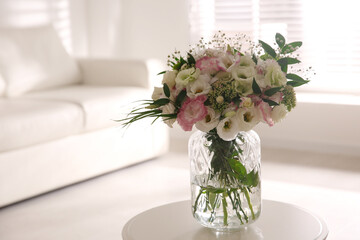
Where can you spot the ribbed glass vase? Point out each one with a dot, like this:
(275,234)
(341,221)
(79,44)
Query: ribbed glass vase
(225,180)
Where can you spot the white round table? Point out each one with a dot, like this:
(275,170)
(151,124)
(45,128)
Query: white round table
(278,221)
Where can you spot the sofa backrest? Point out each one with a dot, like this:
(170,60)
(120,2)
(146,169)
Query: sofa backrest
(34,59)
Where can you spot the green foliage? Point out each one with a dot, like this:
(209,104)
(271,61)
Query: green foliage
(166,90)
(284,62)
(161,72)
(180,98)
(270,102)
(291,47)
(280,40)
(296,80)
(268,49)
(272,91)
(289,99)
(255,87)
(191,59)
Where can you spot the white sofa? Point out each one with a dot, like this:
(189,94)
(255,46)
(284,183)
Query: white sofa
(56,115)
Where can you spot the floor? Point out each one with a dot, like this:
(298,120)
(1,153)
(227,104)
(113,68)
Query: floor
(327,185)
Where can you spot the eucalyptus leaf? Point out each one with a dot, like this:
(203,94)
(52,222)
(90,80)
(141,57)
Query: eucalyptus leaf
(254,59)
(295,77)
(166,90)
(272,91)
(161,102)
(268,49)
(237,166)
(296,84)
(180,98)
(291,47)
(270,102)
(256,87)
(280,40)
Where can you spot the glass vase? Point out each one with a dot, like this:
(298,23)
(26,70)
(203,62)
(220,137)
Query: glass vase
(225,179)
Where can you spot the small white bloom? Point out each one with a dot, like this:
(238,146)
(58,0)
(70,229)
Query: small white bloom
(168,109)
(201,86)
(169,78)
(247,102)
(279,113)
(247,118)
(228,128)
(210,121)
(157,93)
(186,76)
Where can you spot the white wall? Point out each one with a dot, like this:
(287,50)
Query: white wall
(152,29)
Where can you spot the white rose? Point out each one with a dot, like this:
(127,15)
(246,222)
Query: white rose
(186,76)
(157,93)
(228,128)
(210,121)
(247,118)
(278,113)
(169,78)
(274,77)
(168,109)
(199,87)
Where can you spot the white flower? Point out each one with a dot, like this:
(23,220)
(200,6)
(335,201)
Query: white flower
(247,118)
(210,121)
(169,78)
(274,77)
(279,113)
(157,93)
(201,86)
(168,109)
(228,128)
(246,61)
(186,76)
(243,73)
(244,88)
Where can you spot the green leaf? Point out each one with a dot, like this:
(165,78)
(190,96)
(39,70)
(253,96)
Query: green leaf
(166,90)
(191,59)
(280,40)
(254,59)
(252,179)
(237,166)
(161,102)
(161,72)
(270,102)
(179,64)
(180,98)
(269,50)
(291,47)
(256,87)
(296,84)
(272,91)
(295,77)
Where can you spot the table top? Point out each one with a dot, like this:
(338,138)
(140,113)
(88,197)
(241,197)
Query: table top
(280,221)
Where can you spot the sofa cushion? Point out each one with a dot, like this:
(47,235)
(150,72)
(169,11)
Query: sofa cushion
(25,122)
(33,59)
(101,104)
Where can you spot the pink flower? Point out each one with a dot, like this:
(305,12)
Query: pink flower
(208,64)
(192,111)
(265,111)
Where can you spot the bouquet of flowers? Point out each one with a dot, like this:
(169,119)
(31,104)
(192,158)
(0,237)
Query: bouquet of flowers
(224,91)
(220,87)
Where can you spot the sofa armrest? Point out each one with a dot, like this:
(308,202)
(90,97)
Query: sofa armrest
(117,72)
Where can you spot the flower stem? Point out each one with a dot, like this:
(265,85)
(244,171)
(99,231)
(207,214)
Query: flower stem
(249,202)
(224,203)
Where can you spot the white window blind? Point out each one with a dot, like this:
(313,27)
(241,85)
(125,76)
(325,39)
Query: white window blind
(330,31)
(26,13)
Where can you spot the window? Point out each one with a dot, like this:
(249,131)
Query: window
(330,31)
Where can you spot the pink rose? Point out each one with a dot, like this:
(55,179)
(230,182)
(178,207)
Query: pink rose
(208,64)
(192,111)
(265,111)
